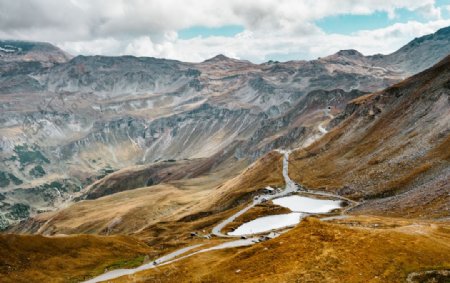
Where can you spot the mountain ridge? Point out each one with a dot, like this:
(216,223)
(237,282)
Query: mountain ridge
(442,33)
(386,122)
(95,114)
(405,206)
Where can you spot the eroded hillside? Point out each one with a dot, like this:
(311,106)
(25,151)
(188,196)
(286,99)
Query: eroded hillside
(389,148)
(66,123)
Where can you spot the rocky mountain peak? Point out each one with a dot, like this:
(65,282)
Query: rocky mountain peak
(349,53)
(442,34)
(345,56)
(444,31)
(217,58)
(223,59)
(28,51)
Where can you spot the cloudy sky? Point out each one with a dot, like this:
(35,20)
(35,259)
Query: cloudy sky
(194,30)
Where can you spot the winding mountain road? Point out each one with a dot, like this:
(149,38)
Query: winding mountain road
(290,187)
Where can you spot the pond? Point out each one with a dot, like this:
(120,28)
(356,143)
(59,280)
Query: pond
(300,205)
(267,223)
(306,204)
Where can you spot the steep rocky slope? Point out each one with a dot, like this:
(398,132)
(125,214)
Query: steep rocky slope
(389,148)
(430,48)
(19,59)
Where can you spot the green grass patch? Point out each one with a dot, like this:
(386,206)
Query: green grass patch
(131,263)
(19,211)
(105,171)
(37,171)
(6,179)
(29,155)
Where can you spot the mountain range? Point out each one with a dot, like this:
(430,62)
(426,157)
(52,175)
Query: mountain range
(147,150)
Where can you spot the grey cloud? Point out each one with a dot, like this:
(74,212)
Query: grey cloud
(141,27)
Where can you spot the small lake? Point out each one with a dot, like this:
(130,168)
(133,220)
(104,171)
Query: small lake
(300,206)
(267,223)
(309,205)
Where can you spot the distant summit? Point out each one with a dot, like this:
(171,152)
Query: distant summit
(443,31)
(429,48)
(222,58)
(349,53)
(28,51)
(218,58)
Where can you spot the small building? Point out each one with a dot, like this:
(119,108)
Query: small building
(269,190)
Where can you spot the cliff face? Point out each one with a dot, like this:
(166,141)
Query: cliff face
(64,122)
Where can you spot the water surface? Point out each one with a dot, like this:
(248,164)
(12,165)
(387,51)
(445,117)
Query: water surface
(309,205)
(268,223)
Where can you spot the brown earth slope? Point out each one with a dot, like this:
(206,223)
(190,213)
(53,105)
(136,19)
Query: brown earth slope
(34,258)
(390,149)
(161,218)
(135,210)
(319,252)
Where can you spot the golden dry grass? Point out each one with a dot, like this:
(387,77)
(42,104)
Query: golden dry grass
(131,211)
(266,171)
(319,252)
(124,212)
(34,258)
(160,216)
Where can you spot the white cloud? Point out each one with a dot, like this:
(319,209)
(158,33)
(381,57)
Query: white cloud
(148,28)
(430,11)
(257,46)
(101,46)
